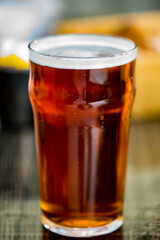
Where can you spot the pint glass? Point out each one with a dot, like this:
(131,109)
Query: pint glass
(82,88)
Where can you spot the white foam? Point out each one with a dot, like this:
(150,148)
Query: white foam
(82,51)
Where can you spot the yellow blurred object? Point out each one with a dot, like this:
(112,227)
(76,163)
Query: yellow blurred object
(13,61)
(144,29)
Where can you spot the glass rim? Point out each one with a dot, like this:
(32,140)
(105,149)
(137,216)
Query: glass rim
(37,54)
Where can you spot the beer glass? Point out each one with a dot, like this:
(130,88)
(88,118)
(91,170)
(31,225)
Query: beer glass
(82,88)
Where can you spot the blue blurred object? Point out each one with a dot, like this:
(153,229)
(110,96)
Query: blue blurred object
(21,21)
(27,19)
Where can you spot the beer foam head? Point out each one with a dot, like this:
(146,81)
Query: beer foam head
(82,51)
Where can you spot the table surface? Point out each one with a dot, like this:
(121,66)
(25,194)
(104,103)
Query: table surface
(19,194)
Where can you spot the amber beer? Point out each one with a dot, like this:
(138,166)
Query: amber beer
(82,89)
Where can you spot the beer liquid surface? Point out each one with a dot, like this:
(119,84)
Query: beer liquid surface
(82,129)
(83,51)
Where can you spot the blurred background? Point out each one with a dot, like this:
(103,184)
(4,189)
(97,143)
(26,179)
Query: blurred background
(24,20)
(86,8)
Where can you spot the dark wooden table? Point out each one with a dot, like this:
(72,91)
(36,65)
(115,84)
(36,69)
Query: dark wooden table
(19,196)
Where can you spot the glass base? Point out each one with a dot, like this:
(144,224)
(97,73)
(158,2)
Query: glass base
(82,232)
